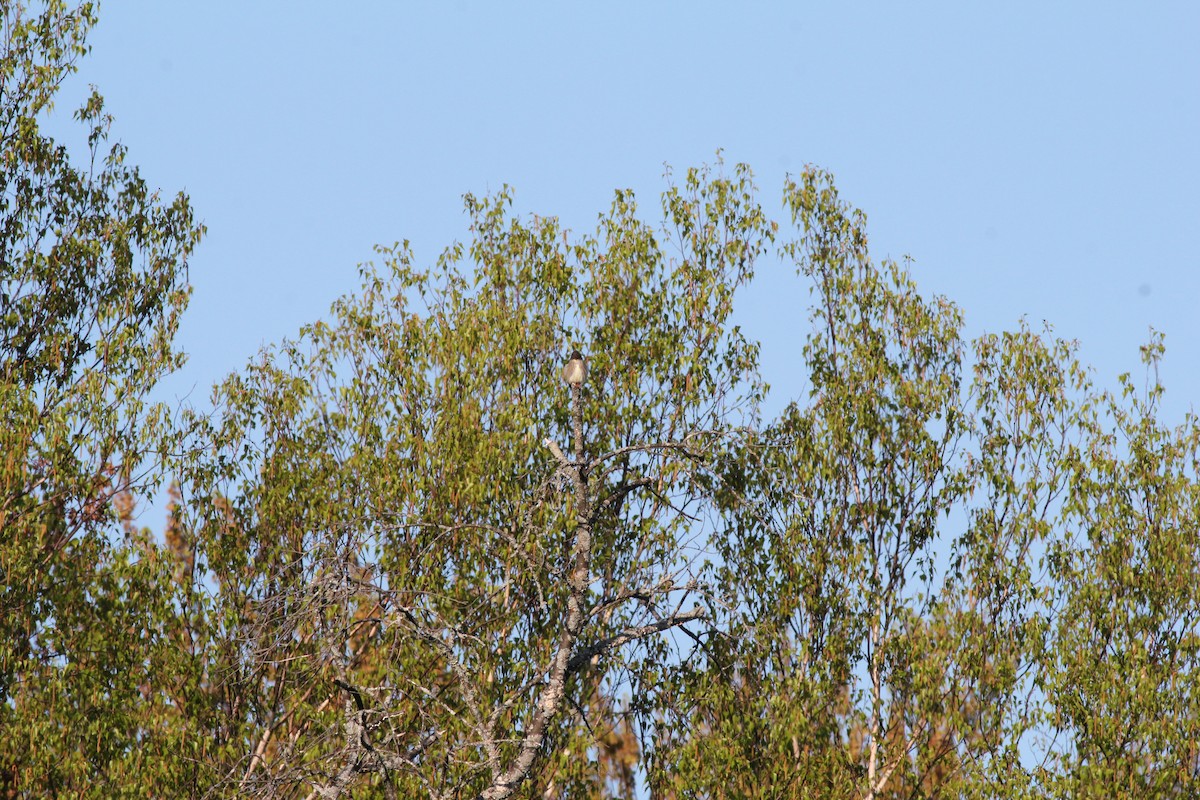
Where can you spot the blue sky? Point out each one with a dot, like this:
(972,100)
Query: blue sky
(1034,159)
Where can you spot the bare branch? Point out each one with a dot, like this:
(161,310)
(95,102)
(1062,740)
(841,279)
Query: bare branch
(620,492)
(604,646)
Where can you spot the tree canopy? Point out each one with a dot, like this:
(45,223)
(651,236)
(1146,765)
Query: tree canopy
(404,558)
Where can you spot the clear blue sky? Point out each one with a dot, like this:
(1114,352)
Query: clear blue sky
(1034,159)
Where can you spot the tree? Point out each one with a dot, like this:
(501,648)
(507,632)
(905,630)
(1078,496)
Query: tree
(422,586)
(942,588)
(891,594)
(822,683)
(93,280)
(404,558)
(1122,674)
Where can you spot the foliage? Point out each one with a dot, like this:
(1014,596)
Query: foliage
(93,283)
(407,531)
(942,588)
(404,559)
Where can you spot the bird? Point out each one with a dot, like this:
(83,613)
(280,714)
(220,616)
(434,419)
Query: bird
(575,372)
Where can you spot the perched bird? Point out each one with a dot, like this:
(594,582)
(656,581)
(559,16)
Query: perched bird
(575,372)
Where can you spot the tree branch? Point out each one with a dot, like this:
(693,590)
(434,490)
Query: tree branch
(604,646)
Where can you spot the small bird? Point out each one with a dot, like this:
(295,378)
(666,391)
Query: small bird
(575,372)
